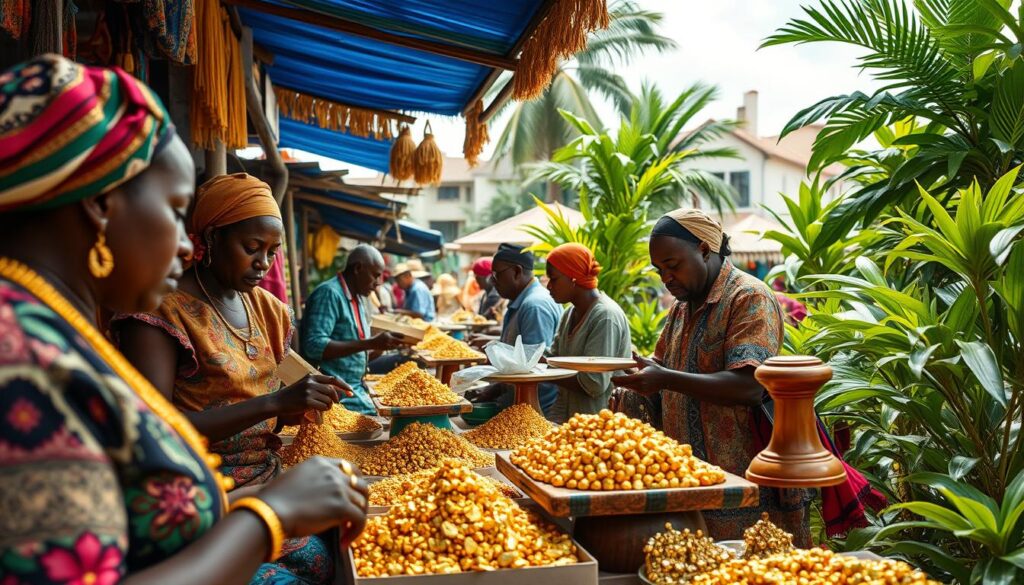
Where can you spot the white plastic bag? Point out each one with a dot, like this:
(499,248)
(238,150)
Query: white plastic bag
(504,359)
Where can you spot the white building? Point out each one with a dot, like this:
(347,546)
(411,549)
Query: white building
(766,166)
(462,195)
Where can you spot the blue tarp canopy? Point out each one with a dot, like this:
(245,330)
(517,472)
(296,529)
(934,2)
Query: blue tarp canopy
(405,240)
(360,71)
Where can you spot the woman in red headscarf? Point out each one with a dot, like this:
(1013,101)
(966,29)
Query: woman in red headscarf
(593,326)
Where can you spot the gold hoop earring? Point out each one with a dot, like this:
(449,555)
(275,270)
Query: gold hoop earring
(101,259)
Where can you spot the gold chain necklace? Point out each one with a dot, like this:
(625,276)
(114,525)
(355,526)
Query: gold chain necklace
(28,279)
(251,351)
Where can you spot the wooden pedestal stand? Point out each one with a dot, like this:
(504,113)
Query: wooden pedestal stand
(615,525)
(526,384)
(795,457)
(446,368)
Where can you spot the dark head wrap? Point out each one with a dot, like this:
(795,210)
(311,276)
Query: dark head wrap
(68,132)
(514,254)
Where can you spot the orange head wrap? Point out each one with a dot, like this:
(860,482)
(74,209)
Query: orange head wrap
(229,199)
(577,262)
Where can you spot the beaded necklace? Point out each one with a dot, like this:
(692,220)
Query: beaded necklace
(31,281)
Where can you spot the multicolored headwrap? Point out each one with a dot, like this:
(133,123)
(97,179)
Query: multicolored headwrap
(229,199)
(577,262)
(68,132)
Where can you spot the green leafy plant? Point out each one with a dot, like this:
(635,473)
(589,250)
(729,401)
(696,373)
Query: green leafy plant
(645,323)
(954,67)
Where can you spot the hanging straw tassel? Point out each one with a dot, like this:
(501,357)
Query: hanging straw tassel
(428,160)
(403,152)
(476,134)
(562,34)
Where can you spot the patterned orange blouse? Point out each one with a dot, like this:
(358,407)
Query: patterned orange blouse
(214,370)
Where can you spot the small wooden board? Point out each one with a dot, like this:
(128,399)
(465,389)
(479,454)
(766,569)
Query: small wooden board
(592,364)
(433,409)
(736,492)
(430,361)
(532,377)
(408,332)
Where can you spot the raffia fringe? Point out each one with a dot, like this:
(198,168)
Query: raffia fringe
(403,153)
(334,116)
(429,160)
(476,134)
(562,34)
(218,90)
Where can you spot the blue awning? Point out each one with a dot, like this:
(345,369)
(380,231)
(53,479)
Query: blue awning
(362,72)
(406,239)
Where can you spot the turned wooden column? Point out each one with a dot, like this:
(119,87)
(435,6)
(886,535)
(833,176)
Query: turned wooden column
(795,457)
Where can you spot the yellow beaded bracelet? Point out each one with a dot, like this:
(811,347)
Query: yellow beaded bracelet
(270,520)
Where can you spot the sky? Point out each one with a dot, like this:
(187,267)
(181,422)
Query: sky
(717,43)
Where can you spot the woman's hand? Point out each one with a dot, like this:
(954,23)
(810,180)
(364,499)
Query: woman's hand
(648,380)
(317,495)
(314,392)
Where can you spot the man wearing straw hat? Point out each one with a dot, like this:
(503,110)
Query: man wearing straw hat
(418,300)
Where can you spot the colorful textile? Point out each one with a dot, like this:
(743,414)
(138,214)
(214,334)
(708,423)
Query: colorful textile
(214,370)
(329,316)
(229,199)
(91,480)
(577,262)
(602,332)
(15,16)
(739,325)
(698,223)
(68,132)
(274,282)
(170,28)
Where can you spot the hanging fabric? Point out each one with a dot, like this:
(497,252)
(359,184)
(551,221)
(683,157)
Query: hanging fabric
(325,246)
(476,134)
(167,28)
(218,92)
(16,17)
(336,116)
(70,36)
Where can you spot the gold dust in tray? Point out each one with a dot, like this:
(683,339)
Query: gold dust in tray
(510,428)
(453,349)
(388,381)
(464,316)
(609,451)
(395,490)
(421,446)
(672,557)
(454,522)
(313,439)
(341,420)
(418,388)
(812,567)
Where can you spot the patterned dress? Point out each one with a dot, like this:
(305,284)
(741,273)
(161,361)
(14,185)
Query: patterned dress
(93,485)
(214,371)
(739,325)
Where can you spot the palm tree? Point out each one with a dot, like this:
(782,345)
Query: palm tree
(535,129)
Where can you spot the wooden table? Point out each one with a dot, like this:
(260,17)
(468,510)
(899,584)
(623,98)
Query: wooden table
(446,368)
(614,525)
(526,384)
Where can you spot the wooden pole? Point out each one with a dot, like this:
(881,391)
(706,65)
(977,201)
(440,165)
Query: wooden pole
(304,249)
(361,30)
(254,106)
(216,161)
(293,268)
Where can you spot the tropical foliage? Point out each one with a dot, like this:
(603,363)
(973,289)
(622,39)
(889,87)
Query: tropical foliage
(621,180)
(952,68)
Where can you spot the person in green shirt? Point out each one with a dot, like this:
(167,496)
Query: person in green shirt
(594,326)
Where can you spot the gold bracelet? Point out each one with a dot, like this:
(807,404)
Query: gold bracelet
(270,520)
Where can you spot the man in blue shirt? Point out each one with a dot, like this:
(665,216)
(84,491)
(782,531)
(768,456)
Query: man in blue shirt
(418,300)
(531,312)
(335,330)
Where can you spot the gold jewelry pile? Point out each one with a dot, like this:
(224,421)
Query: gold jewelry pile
(341,420)
(395,490)
(313,439)
(455,522)
(671,557)
(414,387)
(764,539)
(511,428)
(421,446)
(608,451)
(812,567)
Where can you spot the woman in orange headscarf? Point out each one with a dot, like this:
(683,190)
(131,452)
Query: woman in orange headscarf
(215,345)
(593,326)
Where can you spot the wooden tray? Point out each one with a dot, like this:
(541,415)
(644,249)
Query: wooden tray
(433,409)
(430,361)
(592,364)
(449,326)
(532,377)
(408,332)
(736,492)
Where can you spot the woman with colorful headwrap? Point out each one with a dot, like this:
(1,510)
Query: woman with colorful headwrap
(594,325)
(214,346)
(102,479)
